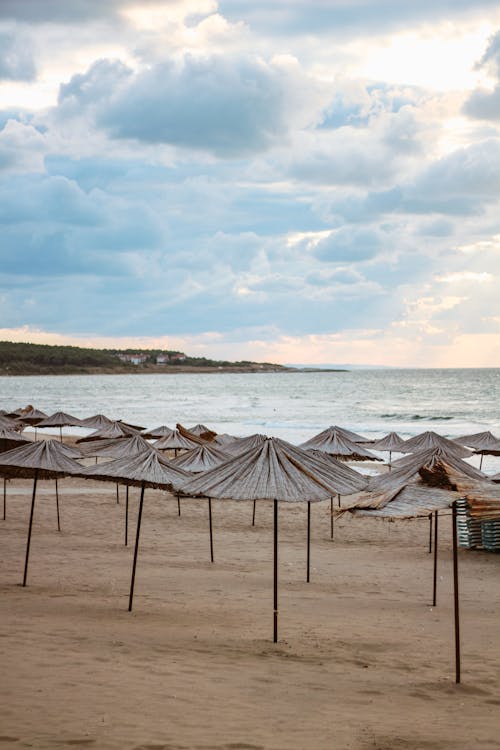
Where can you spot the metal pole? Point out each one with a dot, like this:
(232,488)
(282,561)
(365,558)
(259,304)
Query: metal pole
(481,461)
(253,515)
(117,494)
(430,533)
(178,505)
(331,518)
(4,498)
(30,528)
(434,588)
(134,564)
(275,601)
(455,594)
(60,433)
(390,456)
(57,506)
(210,524)
(126,517)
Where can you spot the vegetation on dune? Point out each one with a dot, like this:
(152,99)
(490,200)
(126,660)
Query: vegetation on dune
(44,359)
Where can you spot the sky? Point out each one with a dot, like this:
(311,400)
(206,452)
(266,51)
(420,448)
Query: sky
(288,181)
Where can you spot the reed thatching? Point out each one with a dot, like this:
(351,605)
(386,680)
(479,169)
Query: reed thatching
(429,440)
(148,469)
(202,458)
(177,441)
(157,432)
(30,415)
(239,446)
(96,422)
(116,447)
(48,459)
(10,439)
(478,440)
(275,470)
(412,501)
(391,442)
(336,444)
(113,430)
(60,419)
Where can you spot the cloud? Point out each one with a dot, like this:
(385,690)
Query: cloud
(482,103)
(348,245)
(16,58)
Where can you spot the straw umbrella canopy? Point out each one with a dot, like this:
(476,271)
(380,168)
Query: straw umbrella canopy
(202,458)
(177,441)
(114,430)
(239,446)
(43,460)
(30,416)
(490,446)
(116,447)
(8,423)
(428,440)
(272,472)
(335,443)
(223,439)
(96,422)
(60,419)
(157,432)
(11,439)
(146,469)
(476,440)
(349,434)
(391,443)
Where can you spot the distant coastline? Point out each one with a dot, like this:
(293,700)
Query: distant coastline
(26,359)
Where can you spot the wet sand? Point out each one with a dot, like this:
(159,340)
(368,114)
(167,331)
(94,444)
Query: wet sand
(363,661)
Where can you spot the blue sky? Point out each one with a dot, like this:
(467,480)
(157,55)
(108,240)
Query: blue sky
(288,181)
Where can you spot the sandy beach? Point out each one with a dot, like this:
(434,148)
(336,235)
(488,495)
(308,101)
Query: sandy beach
(363,661)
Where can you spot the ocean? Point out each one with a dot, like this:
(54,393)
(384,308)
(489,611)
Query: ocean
(291,405)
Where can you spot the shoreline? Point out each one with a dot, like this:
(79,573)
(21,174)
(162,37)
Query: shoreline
(174,370)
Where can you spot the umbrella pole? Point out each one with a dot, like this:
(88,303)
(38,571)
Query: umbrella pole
(253,514)
(390,457)
(30,528)
(57,507)
(455,594)
(60,434)
(117,494)
(4,498)
(275,565)
(331,518)
(430,533)
(210,525)
(481,461)
(308,541)
(178,505)
(134,564)
(126,517)
(434,587)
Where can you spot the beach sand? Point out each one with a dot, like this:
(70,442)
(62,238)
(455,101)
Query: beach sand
(363,661)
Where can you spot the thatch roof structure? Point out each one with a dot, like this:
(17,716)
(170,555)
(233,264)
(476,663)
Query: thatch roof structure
(148,469)
(483,498)
(116,447)
(96,422)
(60,419)
(222,439)
(202,431)
(477,440)
(7,423)
(274,470)
(335,443)
(239,446)
(177,441)
(157,432)
(202,458)
(47,459)
(391,442)
(489,449)
(431,469)
(134,427)
(114,430)
(30,415)
(412,501)
(10,439)
(429,440)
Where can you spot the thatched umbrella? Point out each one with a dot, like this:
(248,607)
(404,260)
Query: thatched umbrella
(43,460)
(429,440)
(147,469)
(157,432)
(9,439)
(391,442)
(176,441)
(336,444)
(8,423)
(113,430)
(96,422)
(268,472)
(30,416)
(238,446)
(223,439)
(476,440)
(201,458)
(489,447)
(60,419)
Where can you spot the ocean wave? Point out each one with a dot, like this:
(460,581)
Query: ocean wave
(417,417)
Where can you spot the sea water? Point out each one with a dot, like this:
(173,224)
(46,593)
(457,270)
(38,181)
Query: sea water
(291,405)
